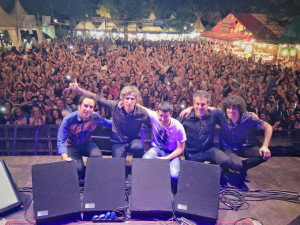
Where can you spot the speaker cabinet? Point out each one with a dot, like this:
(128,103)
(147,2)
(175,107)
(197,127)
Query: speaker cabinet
(9,195)
(198,191)
(56,193)
(151,187)
(104,188)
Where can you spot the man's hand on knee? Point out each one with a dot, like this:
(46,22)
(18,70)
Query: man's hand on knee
(265,152)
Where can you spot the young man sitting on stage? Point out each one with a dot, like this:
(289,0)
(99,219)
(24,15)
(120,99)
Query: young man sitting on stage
(126,121)
(74,135)
(234,136)
(168,138)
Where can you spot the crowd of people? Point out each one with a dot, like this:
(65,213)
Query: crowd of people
(33,81)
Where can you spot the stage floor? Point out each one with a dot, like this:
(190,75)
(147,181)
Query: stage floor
(279,173)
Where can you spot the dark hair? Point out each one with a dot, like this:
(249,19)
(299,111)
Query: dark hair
(234,101)
(165,107)
(202,94)
(81,99)
(59,114)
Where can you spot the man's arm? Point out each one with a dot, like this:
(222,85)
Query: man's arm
(186,112)
(177,152)
(104,122)
(108,104)
(62,137)
(264,150)
(75,87)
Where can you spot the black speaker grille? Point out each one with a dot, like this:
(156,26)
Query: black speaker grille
(198,190)
(55,191)
(151,186)
(104,185)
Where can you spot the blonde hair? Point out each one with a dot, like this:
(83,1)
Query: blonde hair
(130,90)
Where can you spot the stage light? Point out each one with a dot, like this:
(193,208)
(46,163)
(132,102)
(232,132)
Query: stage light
(248,48)
(285,52)
(264,45)
(293,52)
(259,45)
(55,20)
(270,46)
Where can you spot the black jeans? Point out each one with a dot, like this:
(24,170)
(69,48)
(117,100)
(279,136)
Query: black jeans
(213,155)
(89,150)
(249,152)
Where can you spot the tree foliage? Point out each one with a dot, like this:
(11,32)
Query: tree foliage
(185,12)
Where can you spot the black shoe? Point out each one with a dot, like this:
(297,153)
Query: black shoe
(224,180)
(243,186)
(244,176)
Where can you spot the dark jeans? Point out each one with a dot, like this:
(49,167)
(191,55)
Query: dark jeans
(213,155)
(120,150)
(89,150)
(251,153)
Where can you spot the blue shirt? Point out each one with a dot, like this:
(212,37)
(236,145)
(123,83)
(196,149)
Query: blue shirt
(235,135)
(74,131)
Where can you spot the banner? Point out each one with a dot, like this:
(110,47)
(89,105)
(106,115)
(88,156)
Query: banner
(29,21)
(46,21)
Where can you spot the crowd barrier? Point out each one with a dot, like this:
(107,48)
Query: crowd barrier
(42,140)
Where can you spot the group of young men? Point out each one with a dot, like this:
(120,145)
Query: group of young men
(192,134)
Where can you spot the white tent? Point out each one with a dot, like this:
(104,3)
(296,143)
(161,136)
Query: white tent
(85,26)
(133,27)
(199,28)
(152,29)
(108,26)
(8,23)
(18,13)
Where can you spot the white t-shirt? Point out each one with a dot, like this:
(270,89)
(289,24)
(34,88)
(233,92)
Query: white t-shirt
(166,138)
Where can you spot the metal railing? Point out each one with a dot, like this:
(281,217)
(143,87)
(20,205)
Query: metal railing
(42,140)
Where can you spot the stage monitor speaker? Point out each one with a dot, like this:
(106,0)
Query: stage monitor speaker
(151,187)
(9,194)
(198,191)
(56,193)
(104,188)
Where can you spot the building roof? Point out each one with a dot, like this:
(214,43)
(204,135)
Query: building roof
(239,26)
(224,36)
(7,21)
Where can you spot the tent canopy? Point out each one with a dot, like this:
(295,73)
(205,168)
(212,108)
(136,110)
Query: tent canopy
(7,21)
(224,36)
(18,12)
(152,29)
(85,26)
(242,26)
